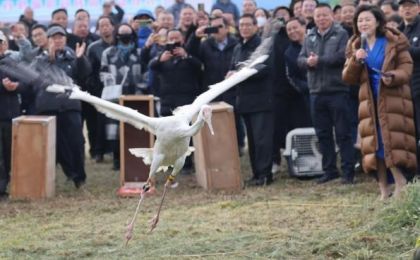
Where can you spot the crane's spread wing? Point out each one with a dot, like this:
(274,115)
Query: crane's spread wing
(215,90)
(111,110)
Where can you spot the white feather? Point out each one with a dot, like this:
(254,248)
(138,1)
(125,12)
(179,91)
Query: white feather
(215,90)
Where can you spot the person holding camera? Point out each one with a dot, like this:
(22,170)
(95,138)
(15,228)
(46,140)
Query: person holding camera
(178,72)
(216,54)
(179,77)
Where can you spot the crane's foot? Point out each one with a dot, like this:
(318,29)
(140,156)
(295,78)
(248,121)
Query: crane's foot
(153,223)
(149,188)
(129,233)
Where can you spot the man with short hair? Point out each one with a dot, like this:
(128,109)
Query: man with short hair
(166,20)
(254,103)
(70,141)
(39,38)
(28,18)
(82,14)
(322,55)
(409,11)
(60,16)
(94,85)
(187,22)
(81,30)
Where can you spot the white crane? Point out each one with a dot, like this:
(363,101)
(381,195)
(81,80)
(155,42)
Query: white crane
(173,133)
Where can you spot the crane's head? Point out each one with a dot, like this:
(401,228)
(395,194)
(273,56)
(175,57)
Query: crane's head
(206,113)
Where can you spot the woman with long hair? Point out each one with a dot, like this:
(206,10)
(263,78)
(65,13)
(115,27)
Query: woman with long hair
(378,60)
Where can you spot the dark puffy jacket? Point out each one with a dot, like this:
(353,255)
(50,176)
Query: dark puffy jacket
(330,48)
(76,68)
(179,80)
(412,32)
(255,93)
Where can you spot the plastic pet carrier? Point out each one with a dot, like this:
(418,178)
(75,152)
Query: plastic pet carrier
(302,153)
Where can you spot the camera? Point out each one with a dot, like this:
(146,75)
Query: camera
(281,21)
(172,46)
(210,30)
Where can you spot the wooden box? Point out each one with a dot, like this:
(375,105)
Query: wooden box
(216,156)
(33,157)
(133,172)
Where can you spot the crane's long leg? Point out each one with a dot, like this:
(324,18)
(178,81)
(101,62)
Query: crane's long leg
(153,168)
(177,167)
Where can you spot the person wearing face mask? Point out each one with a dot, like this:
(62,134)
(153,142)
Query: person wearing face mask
(142,24)
(123,55)
(262,16)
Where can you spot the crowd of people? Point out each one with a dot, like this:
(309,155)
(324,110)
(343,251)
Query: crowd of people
(352,72)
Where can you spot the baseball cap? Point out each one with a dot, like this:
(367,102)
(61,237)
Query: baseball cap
(143,13)
(410,1)
(56,29)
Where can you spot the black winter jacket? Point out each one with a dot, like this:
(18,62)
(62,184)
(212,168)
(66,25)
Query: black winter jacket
(255,93)
(94,54)
(412,32)
(295,75)
(9,100)
(216,62)
(179,80)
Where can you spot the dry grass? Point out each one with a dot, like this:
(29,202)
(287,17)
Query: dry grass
(290,219)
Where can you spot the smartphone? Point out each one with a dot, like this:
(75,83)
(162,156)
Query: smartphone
(210,30)
(200,7)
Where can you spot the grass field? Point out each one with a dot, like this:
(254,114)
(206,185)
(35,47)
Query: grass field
(290,219)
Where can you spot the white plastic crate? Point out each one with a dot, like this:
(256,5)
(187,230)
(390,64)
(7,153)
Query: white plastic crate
(302,153)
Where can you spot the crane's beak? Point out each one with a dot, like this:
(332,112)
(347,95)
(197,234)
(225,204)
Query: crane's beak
(208,121)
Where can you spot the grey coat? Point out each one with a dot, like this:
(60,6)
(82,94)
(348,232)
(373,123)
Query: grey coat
(326,76)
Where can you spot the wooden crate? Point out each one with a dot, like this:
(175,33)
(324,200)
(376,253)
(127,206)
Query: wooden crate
(133,172)
(216,156)
(33,157)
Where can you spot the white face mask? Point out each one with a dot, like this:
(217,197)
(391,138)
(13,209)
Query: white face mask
(261,21)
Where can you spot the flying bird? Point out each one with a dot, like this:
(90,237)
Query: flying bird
(173,133)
